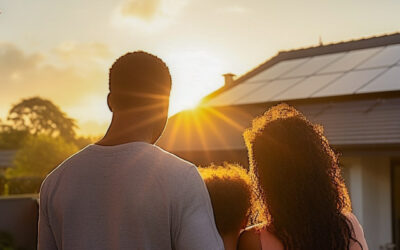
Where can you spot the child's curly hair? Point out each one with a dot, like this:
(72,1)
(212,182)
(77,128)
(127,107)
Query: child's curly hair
(230,192)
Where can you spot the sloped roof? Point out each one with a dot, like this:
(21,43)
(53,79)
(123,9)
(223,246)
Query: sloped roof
(349,68)
(6,158)
(346,123)
(351,88)
(206,129)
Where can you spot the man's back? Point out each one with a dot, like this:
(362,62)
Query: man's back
(130,196)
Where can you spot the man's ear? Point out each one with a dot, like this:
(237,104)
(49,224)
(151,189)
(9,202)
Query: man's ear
(109,102)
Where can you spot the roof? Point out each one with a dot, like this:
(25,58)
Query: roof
(358,67)
(206,129)
(6,158)
(351,88)
(346,123)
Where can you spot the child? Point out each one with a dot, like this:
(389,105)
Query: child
(230,192)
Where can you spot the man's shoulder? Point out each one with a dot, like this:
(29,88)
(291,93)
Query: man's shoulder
(172,160)
(56,173)
(172,166)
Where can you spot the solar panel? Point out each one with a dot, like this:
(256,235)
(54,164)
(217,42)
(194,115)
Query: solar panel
(307,87)
(229,96)
(267,92)
(387,57)
(313,65)
(350,60)
(349,83)
(276,70)
(358,71)
(388,81)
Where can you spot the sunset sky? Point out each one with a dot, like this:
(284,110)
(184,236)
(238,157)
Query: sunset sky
(61,50)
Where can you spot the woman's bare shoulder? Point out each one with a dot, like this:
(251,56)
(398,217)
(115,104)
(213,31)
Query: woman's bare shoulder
(358,232)
(250,239)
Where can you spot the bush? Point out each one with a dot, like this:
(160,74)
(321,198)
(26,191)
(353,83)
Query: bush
(24,185)
(39,155)
(7,242)
(3,182)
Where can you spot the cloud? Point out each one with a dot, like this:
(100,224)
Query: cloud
(143,9)
(75,52)
(234,9)
(13,60)
(69,75)
(147,15)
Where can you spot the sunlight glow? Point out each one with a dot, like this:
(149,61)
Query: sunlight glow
(200,125)
(195,73)
(95,108)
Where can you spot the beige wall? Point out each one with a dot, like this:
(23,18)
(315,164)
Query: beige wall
(368,180)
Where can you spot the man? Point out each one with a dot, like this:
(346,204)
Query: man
(124,192)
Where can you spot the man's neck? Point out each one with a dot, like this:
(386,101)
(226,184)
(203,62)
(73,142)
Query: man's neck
(121,133)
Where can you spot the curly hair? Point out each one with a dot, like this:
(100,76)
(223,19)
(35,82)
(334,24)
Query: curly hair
(230,191)
(297,179)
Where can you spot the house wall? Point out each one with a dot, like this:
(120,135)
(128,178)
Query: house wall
(369,182)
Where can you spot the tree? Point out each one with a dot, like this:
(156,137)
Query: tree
(10,138)
(83,141)
(39,155)
(40,116)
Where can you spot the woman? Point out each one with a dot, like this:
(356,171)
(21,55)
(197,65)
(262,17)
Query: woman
(297,180)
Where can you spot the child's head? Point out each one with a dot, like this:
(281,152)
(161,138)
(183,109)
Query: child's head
(230,191)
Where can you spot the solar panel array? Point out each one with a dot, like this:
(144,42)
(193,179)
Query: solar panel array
(345,73)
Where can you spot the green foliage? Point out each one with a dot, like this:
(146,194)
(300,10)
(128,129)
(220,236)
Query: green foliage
(44,136)
(40,116)
(24,185)
(39,155)
(7,241)
(3,182)
(83,141)
(12,139)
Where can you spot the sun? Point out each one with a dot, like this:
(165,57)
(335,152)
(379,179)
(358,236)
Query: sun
(180,103)
(195,73)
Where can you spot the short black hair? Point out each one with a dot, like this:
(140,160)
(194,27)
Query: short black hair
(139,78)
(230,192)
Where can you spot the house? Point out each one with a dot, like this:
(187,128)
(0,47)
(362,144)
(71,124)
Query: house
(351,88)
(6,159)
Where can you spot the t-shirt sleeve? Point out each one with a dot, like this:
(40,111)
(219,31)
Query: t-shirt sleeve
(358,234)
(46,240)
(196,228)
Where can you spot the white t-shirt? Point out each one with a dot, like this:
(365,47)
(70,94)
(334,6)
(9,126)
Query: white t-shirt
(129,196)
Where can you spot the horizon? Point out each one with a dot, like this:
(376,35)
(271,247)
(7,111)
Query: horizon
(66,59)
